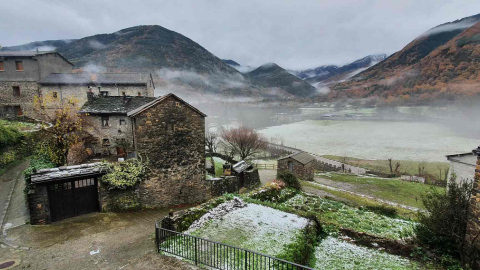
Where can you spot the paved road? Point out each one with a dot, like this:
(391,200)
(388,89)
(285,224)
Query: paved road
(352,169)
(7,184)
(93,241)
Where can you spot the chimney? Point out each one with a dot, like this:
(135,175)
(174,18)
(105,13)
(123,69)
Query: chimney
(89,94)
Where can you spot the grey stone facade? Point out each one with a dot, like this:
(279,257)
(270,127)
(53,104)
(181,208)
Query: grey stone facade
(171,134)
(301,164)
(19,87)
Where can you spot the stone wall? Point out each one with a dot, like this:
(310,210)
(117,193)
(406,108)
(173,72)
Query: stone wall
(28,90)
(116,134)
(172,136)
(220,186)
(301,171)
(474,221)
(251,179)
(38,204)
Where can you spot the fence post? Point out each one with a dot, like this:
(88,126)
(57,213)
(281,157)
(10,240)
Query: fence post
(156,238)
(246,260)
(195,251)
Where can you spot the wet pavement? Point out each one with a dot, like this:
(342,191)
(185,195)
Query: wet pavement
(93,241)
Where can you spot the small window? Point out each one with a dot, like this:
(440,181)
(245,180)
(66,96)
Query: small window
(139,94)
(54,94)
(105,121)
(124,94)
(122,122)
(19,65)
(1,66)
(103,93)
(106,142)
(177,104)
(290,166)
(16,91)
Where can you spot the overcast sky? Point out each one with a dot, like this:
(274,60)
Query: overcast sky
(294,34)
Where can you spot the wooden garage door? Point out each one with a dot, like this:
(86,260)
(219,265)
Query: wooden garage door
(73,198)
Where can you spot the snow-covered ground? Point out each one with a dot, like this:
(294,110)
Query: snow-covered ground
(333,253)
(254,227)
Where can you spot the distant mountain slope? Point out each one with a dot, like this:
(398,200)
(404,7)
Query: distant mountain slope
(47,45)
(231,62)
(324,73)
(452,68)
(275,77)
(143,47)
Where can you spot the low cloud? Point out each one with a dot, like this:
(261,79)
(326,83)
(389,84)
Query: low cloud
(450,27)
(97,45)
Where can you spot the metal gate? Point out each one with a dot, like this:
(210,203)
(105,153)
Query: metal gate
(73,198)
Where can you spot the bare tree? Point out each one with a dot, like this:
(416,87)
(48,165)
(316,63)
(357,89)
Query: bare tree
(390,165)
(211,141)
(243,142)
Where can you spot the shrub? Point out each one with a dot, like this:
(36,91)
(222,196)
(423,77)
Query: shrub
(37,162)
(290,179)
(9,136)
(383,210)
(122,175)
(444,226)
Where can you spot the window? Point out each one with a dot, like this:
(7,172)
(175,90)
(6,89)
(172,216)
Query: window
(19,65)
(124,94)
(122,122)
(139,94)
(54,94)
(105,121)
(177,104)
(105,142)
(290,166)
(1,66)
(16,91)
(103,93)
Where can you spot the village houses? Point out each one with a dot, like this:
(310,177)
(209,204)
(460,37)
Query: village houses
(25,75)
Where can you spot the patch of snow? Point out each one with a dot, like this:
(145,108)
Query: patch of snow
(333,253)
(254,227)
(216,213)
(93,252)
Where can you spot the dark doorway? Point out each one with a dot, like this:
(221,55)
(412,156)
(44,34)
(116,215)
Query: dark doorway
(73,198)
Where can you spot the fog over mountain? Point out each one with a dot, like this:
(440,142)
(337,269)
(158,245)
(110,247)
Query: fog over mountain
(295,35)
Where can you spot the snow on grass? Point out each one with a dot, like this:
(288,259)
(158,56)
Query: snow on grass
(333,253)
(353,218)
(255,227)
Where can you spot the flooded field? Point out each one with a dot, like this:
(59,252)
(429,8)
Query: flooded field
(421,141)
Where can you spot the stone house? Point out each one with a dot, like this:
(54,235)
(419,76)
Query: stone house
(166,131)
(111,128)
(301,164)
(463,166)
(20,72)
(70,87)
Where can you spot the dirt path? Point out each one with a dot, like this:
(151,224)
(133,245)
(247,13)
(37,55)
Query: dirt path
(267,176)
(94,241)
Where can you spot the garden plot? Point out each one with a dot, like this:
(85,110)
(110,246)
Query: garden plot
(254,227)
(352,218)
(333,253)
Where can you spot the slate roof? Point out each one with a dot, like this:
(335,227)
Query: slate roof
(63,173)
(241,166)
(301,157)
(114,104)
(24,53)
(96,79)
(29,54)
(160,99)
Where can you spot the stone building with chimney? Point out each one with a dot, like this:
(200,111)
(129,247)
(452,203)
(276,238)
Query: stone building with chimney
(20,74)
(68,87)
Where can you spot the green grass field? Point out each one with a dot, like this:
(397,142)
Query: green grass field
(21,126)
(406,166)
(398,191)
